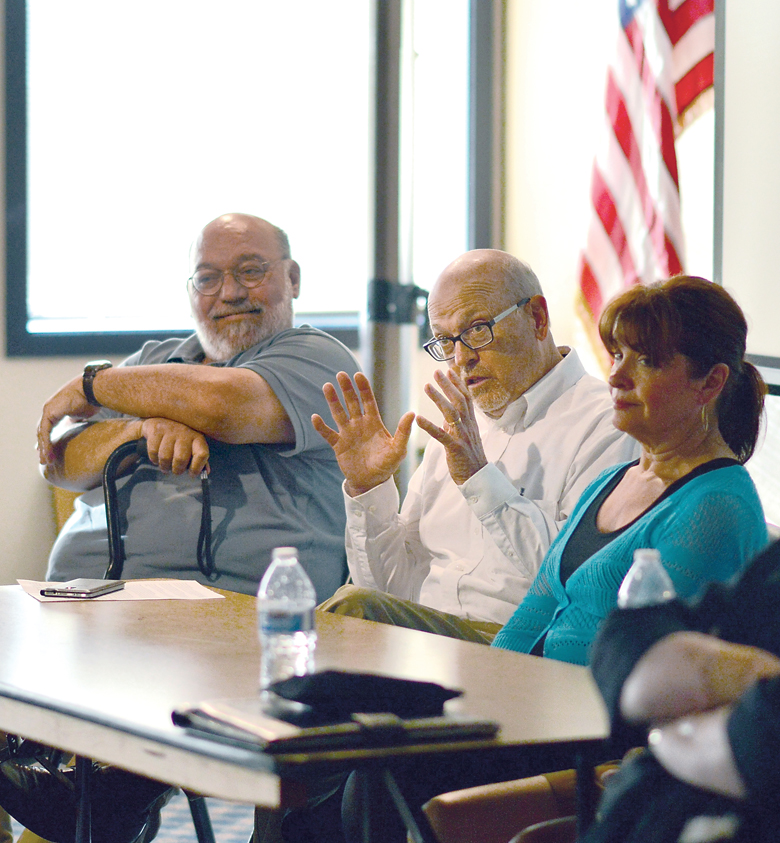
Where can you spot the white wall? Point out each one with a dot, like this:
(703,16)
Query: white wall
(751,204)
(556,82)
(751,195)
(26,516)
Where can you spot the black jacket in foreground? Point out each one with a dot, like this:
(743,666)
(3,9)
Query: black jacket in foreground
(745,612)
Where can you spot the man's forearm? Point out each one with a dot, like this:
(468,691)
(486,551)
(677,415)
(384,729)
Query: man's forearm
(230,405)
(689,672)
(81,452)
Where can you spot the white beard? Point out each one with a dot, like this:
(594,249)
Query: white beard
(222,344)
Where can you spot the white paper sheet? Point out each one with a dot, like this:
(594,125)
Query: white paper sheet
(133,590)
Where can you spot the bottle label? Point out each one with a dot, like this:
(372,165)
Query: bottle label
(286,623)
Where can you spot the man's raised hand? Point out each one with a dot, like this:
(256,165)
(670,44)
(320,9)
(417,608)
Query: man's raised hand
(459,435)
(366,451)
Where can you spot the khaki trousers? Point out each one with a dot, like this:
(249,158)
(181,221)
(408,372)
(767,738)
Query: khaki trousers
(373,605)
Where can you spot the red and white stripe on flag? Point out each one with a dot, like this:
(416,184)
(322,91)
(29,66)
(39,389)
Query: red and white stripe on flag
(661,76)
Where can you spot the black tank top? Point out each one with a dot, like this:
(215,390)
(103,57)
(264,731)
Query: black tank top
(587,538)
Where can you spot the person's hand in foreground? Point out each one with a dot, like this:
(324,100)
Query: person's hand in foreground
(686,685)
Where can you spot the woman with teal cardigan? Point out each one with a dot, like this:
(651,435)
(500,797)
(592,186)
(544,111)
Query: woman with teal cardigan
(682,388)
(708,529)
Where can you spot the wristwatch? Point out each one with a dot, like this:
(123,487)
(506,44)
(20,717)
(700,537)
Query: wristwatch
(90,370)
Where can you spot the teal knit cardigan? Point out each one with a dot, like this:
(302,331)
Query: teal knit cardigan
(707,530)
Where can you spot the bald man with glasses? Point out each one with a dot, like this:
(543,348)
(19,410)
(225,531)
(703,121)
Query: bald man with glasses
(524,431)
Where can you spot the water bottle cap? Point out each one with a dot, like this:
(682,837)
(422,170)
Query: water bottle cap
(647,553)
(284,553)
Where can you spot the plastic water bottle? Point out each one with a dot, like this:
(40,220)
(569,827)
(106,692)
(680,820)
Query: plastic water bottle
(646,582)
(285,619)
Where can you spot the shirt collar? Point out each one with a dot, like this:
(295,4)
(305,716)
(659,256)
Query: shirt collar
(535,401)
(191,351)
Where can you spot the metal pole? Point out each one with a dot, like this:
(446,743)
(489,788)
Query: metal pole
(384,351)
(486,125)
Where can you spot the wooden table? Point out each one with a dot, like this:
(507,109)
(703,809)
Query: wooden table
(100,679)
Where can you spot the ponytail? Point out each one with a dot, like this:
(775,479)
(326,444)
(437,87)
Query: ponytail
(740,410)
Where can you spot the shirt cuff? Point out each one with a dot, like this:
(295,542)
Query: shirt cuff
(381,497)
(487,490)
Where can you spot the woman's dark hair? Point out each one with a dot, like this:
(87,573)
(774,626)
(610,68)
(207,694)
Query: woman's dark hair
(699,319)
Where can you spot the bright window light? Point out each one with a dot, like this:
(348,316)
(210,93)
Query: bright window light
(148,119)
(435,129)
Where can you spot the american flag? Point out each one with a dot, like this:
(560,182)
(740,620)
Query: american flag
(661,78)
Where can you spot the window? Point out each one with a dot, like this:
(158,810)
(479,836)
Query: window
(146,120)
(130,126)
(434,130)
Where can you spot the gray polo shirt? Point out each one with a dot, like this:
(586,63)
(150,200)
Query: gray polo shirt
(262,496)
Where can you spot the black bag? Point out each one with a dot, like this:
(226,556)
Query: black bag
(335,694)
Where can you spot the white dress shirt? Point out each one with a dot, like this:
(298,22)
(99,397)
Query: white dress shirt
(473,550)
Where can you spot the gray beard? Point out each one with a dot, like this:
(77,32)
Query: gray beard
(490,401)
(224,344)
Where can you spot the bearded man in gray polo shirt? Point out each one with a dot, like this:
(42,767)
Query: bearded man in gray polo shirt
(237,396)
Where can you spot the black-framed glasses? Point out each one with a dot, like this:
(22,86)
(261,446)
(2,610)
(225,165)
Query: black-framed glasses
(208,282)
(474,337)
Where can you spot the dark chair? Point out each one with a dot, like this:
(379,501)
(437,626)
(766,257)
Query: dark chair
(116,561)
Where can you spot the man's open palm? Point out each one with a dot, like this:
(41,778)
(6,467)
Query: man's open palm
(366,451)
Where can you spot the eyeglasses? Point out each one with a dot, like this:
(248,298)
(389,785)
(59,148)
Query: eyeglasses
(208,282)
(474,337)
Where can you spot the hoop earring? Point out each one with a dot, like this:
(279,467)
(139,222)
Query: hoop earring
(705,419)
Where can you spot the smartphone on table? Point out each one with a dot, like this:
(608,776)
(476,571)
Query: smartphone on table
(82,588)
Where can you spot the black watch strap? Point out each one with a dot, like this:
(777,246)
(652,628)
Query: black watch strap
(90,370)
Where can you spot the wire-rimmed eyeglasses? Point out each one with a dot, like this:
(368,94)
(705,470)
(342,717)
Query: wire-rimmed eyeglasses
(474,337)
(208,282)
